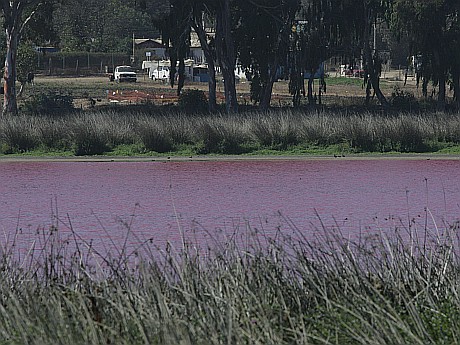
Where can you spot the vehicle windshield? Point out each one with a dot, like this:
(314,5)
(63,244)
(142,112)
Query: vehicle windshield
(125,69)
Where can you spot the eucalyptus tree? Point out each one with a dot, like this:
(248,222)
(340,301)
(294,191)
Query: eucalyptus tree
(326,28)
(39,30)
(225,52)
(176,24)
(41,27)
(358,21)
(16,15)
(433,28)
(320,31)
(262,35)
(201,11)
(175,29)
(373,10)
(77,24)
(220,49)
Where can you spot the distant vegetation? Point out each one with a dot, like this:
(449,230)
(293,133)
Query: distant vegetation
(265,39)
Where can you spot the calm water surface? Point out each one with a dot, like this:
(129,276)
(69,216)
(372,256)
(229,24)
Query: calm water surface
(210,200)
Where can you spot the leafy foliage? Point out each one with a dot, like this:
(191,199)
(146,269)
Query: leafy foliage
(102,26)
(48,103)
(271,39)
(193,101)
(403,100)
(433,27)
(262,40)
(26,62)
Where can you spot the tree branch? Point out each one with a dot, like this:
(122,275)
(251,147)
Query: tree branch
(38,4)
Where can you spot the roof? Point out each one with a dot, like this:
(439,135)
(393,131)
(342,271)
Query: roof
(142,41)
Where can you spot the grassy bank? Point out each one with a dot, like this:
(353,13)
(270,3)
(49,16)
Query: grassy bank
(151,130)
(381,290)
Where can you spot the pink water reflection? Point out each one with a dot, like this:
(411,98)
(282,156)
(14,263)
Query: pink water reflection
(209,200)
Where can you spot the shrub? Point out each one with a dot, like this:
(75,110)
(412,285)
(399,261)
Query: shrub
(411,137)
(17,135)
(193,101)
(360,132)
(52,132)
(219,138)
(278,134)
(48,104)
(403,100)
(154,136)
(88,140)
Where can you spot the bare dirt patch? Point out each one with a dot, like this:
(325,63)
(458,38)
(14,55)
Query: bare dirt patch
(99,90)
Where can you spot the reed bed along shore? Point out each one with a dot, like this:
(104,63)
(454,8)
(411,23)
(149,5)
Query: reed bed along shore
(399,287)
(136,131)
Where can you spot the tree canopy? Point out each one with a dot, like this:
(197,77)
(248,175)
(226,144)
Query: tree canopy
(16,15)
(433,28)
(269,39)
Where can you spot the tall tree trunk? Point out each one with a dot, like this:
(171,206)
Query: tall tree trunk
(212,101)
(181,76)
(9,74)
(266,99)
(296,86)
(311,79)
(226,54)
(372,64)
(14,23)
(441,103)
(282,39)
(456,87)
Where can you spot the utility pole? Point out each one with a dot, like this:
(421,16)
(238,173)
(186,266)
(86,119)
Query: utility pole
(134,45)
(375,37)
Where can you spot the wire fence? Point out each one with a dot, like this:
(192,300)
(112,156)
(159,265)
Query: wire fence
(82,63)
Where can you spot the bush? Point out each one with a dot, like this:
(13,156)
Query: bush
(403,100)
(52,133)
(17,135)
(88,140)
(48,104)
(219,138)
(155,137)
(193,101)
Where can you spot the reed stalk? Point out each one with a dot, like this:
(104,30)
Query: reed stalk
(251,289)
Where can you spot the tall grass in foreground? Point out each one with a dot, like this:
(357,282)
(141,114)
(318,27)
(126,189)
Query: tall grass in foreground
(98,132)
(279,290)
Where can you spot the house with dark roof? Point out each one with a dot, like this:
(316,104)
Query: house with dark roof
(154,47)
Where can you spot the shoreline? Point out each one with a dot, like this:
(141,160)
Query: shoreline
(229,158)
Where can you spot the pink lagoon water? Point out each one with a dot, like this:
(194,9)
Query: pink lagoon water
(113,202)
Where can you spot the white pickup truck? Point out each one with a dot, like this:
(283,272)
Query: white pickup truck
(124,73)
(159,73)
